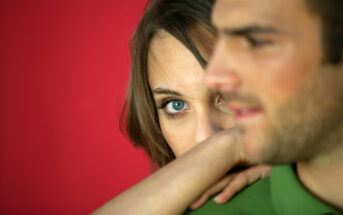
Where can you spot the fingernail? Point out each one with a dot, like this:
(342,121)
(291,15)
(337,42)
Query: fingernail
(217,198)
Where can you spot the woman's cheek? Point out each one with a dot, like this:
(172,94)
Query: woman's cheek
(179,138)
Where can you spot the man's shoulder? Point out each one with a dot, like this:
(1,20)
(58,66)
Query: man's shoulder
(255,199)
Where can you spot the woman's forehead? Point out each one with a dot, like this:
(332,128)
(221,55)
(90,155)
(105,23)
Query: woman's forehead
(172,66)
(170,60)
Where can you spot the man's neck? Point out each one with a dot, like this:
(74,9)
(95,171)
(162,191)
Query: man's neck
(323,177)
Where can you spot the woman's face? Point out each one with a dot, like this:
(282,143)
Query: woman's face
(187,111)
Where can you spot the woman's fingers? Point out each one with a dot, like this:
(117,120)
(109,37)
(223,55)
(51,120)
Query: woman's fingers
(241,180)
(217,187)
(232,184)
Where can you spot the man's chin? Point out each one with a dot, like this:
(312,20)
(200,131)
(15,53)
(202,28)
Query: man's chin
(256,151)
(253,137)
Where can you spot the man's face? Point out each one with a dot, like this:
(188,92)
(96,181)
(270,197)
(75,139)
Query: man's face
(268,64)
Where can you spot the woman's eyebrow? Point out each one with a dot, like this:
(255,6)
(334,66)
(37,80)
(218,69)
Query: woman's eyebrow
(165,91)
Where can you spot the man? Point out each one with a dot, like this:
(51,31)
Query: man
(279,65)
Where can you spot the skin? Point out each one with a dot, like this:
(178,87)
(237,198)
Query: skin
(171,189)
(201,135)
(175,77)
(268,63)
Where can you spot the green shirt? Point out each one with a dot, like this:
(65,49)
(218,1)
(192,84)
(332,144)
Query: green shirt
(281,193)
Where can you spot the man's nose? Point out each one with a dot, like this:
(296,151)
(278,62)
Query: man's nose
(220,73)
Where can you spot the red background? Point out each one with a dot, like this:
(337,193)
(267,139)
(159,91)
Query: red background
(64,70)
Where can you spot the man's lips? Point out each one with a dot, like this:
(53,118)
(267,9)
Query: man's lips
(244,112)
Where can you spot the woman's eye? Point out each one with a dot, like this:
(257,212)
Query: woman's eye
(175,106)
(219,100)
(220,104)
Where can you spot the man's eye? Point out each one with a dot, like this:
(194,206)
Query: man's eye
(175,106)
(256,43)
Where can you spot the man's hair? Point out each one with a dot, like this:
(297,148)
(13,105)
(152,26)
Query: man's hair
(330,13)
(189,22)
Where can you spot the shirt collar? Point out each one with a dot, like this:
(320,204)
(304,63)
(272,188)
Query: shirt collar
(290,197)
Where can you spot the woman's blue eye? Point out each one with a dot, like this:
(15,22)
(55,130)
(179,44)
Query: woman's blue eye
(175,106)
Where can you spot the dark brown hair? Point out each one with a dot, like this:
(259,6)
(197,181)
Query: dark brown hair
(186,20)
(330,13)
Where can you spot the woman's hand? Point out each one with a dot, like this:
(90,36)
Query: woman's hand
(232,184)
(171,189)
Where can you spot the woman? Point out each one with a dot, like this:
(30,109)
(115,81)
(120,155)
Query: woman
(169,112)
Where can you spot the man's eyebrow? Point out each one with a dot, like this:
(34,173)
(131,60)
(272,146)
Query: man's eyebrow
(165,91)
(247,30)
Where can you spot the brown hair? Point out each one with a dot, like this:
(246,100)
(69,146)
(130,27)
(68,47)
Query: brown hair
(330,13)
(183,19)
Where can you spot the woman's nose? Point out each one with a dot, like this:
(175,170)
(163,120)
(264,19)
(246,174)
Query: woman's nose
(204,128)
